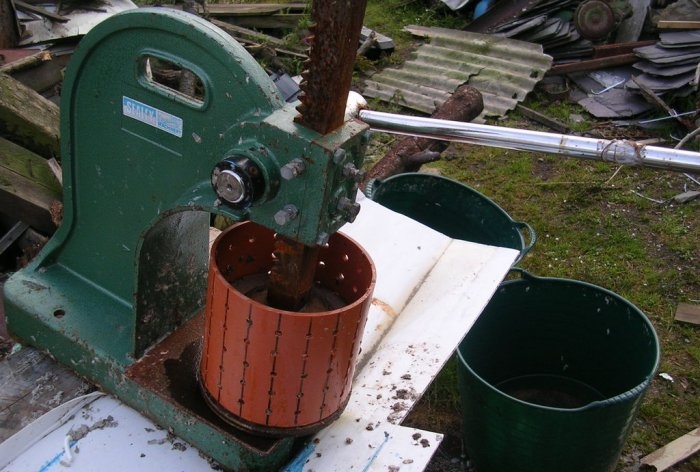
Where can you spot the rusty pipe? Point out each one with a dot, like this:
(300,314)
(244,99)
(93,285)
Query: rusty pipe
(625,152)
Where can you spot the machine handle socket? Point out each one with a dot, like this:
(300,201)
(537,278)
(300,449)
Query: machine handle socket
(229,186)
(237,181)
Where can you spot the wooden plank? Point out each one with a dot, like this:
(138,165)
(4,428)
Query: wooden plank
(45,75)
(19,4)
(674,452)
(32,384)
(255,48)
(29,118)
(21,198)
(28,62)
(29,165)
(28,186)
(12,235)
(688,313)
(253,9)
(237,31)
(9,29)
(593,64)
(678,24)
(556,125)
(281,21)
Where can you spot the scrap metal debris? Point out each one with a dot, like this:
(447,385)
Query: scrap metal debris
(590,39)
(667,68)
(52,21)
(683,14)
(553,28)
(503,70)
(566,28)
(603,94)
(670,65)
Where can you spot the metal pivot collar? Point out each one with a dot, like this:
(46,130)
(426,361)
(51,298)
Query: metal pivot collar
(238,181)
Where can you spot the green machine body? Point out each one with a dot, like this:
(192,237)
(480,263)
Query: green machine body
(145,166)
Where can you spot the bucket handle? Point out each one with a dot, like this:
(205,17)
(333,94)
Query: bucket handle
(523,273)
(371,187)
(531,236)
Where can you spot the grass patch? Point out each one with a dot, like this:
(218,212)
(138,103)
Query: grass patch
(595,226)
(603,225)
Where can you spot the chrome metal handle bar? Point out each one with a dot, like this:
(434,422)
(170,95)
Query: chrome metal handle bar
(624,152)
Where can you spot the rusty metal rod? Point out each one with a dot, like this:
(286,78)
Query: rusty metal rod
(327,79)
(623,152)
(292,274)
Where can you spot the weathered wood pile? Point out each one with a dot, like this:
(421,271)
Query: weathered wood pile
(30,175)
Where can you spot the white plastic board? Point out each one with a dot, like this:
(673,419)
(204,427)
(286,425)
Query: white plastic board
(430,290)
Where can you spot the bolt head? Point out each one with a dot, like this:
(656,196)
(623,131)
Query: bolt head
(349,208)
(229,186)
(292,169)
(286,214)
(339,156)
(323,239)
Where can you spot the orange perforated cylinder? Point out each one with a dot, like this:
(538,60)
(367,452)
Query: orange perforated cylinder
(276,372)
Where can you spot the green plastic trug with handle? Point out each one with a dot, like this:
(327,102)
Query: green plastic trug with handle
(453,209)
(551,377)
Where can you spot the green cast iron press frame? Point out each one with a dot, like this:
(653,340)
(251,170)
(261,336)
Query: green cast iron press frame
(127,267)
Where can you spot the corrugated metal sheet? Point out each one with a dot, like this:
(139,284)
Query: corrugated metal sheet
(503,70)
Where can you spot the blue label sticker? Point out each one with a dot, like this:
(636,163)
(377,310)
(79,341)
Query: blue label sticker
(152,116)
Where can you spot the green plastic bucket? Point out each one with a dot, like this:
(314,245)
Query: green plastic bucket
(551,376)
(453,209)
